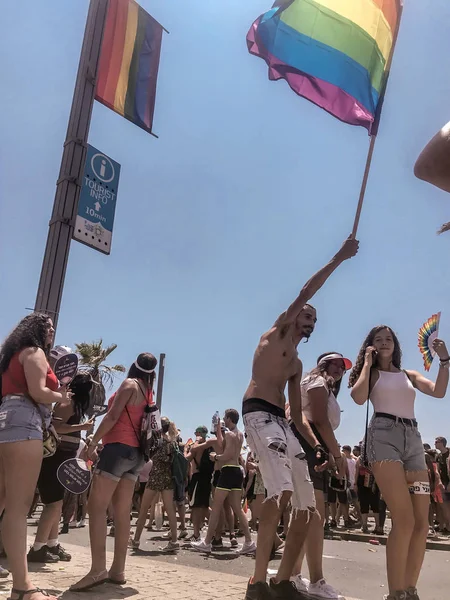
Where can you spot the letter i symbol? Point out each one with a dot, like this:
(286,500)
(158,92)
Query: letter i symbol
(103,168)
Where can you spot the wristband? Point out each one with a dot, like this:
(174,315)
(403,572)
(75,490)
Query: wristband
(445,360)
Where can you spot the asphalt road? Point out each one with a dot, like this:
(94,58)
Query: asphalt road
(357,569)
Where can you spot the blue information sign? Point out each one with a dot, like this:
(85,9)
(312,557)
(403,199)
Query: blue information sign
(97,203)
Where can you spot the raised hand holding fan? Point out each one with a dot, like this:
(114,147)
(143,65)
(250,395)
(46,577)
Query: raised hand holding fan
(427,334)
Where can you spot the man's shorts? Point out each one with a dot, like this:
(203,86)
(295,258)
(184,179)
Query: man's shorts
(199,491)
(282,461)
(335,495)
(120,461)
(215,478)
(231,478)
(393,440)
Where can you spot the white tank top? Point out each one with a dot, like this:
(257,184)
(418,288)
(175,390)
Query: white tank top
(394,394)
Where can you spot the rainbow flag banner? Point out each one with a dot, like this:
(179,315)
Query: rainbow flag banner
(335,53)
(129,62)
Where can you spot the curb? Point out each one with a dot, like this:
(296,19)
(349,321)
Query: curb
(365,538)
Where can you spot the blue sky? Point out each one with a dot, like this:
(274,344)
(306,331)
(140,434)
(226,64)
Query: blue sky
(249,190)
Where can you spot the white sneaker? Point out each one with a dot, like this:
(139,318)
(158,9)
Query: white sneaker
(322,590)
(201,546)
(167,535)
(81,523)
(301,583)
(3,572)
(248,548)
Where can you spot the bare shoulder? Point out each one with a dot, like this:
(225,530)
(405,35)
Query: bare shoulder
(32,353)
(128,384)
(276,333)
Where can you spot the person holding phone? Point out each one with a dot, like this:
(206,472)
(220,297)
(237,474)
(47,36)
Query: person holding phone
(320,407)
(29,388)
(395,450)
(117,471)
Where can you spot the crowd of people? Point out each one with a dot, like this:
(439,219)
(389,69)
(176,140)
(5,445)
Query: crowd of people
(286,470)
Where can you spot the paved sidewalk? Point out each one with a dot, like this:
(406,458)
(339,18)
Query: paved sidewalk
(147,579)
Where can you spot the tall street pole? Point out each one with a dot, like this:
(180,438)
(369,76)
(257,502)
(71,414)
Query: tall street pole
(159,391)
(65,206)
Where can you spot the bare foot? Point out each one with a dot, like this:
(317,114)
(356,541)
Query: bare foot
(89,581)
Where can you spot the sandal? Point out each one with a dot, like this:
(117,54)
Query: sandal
(95,580)
(117,580)
(23,593)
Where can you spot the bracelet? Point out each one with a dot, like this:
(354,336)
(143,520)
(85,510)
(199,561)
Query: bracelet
(445,364)
(445,360)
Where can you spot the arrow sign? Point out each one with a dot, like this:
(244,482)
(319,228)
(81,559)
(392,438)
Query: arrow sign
(97,203)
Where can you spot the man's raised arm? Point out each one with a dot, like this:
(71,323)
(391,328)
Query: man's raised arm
(349,248)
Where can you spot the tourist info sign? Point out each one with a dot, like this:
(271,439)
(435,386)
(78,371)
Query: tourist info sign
(97,203)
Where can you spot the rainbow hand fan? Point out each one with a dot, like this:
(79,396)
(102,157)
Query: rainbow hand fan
(427,334)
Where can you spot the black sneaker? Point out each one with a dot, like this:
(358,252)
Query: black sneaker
(285,590)
(59,551)
(217,543)
(64,528)
(258,591)
(43,555)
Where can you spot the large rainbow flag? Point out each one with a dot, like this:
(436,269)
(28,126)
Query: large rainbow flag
(332,52)
(129,62)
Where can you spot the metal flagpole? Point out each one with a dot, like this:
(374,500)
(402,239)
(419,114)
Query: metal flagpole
(376,125)
(159,391)
(56,255)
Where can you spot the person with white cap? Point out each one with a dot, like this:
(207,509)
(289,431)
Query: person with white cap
(320,407)
(121,460)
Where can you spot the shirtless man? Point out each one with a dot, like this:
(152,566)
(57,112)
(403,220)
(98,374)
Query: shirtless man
(281,458)
(200,483)
(433,164)
(229,485)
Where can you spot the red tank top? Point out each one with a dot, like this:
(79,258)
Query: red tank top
(14,380)
(127,429)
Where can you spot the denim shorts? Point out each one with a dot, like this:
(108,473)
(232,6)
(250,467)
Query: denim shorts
(120,461)
(395,441)
(282,461)
(21,420)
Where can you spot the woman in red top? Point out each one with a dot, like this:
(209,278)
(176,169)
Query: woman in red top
(29,388)
(117,471)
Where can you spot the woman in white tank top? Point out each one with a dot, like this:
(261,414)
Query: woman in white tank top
(395,451)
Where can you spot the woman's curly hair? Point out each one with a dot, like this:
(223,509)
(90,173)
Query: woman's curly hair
(396,357)
(30,332)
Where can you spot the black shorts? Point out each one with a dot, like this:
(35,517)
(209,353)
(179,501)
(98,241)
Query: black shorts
(231,478)
(334,495)
(319,480)
(215,478)
(50,490)
(199,490)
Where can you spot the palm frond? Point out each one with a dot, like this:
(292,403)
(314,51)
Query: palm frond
(92,358)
